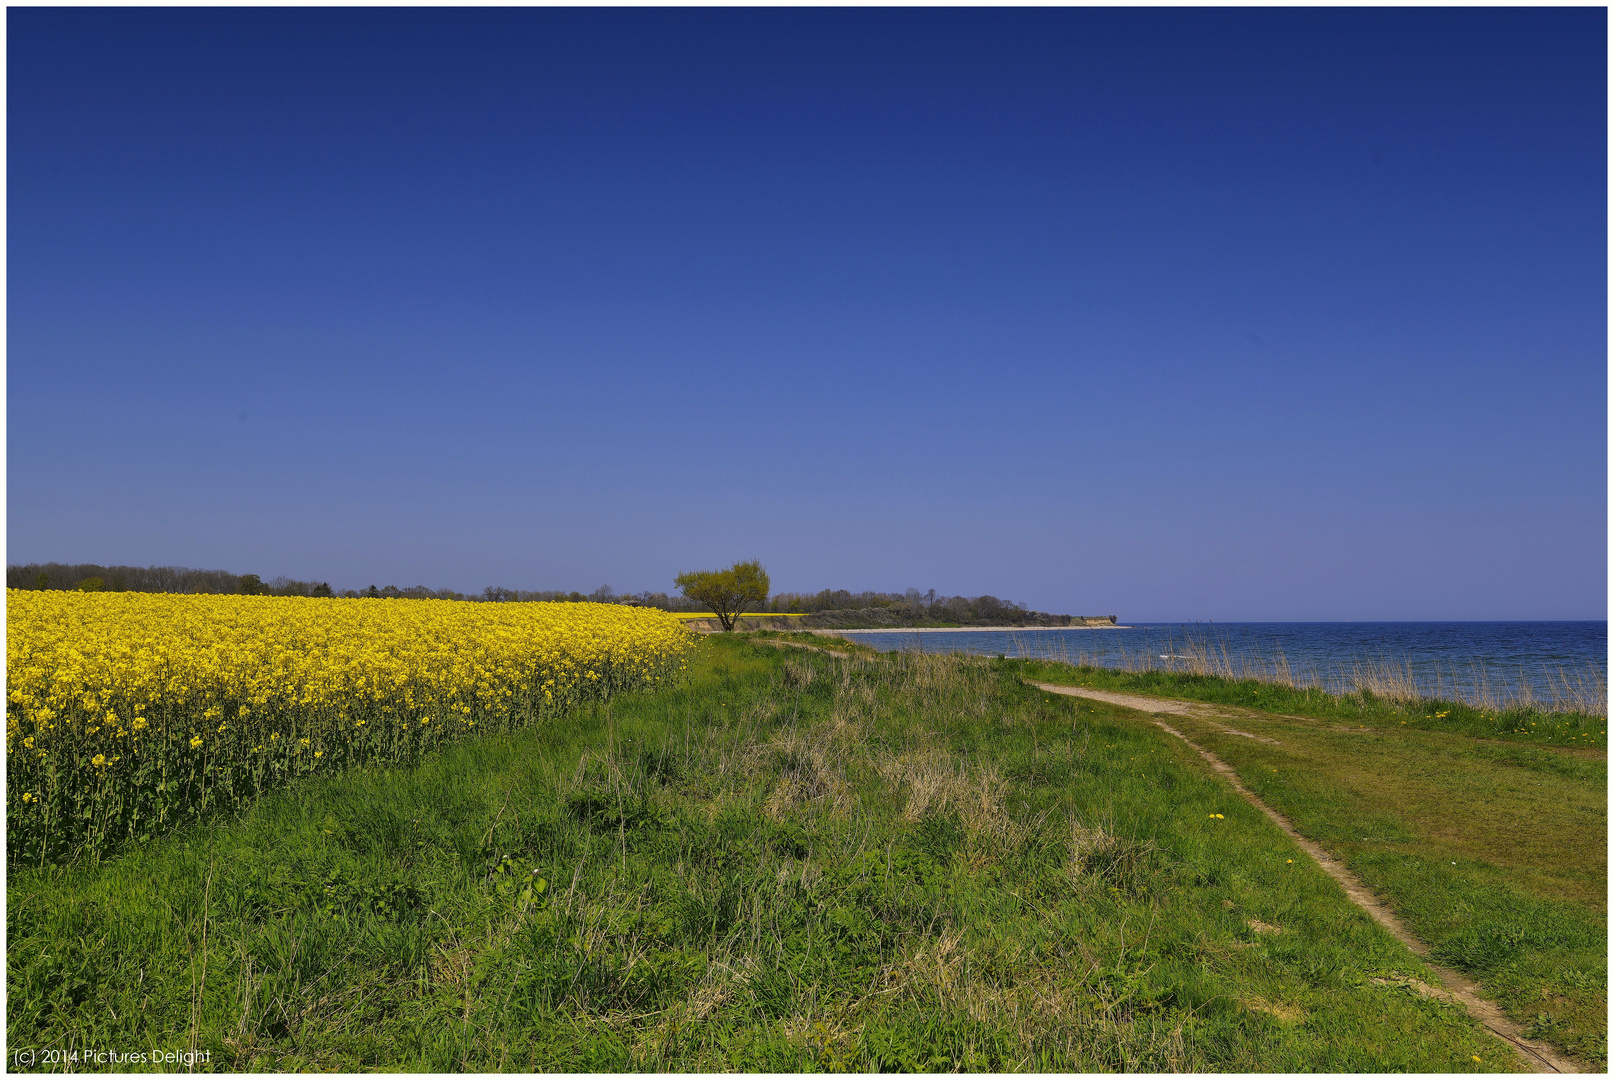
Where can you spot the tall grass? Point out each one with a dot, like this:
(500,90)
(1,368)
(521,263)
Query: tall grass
(789,862)
(1561,690)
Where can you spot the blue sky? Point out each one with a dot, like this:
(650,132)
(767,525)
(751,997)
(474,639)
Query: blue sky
(1189,314)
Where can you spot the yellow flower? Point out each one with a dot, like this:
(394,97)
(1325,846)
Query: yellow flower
(317,753)
(27,797)
(98,759)
(78,662)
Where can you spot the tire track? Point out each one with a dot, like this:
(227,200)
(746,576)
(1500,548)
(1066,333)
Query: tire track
(1461,989)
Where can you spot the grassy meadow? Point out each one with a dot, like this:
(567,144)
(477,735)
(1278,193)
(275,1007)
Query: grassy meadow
(791,860)
(1487,835)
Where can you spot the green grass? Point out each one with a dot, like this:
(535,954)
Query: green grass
(821,642)
(1494,853)
(797,861)
(1524,725)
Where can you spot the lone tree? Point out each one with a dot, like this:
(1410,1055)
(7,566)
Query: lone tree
(727,592)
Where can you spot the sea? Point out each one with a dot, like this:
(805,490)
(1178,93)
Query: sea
(1563,665)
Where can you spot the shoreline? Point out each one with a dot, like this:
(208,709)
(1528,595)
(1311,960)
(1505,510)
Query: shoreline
(959,629)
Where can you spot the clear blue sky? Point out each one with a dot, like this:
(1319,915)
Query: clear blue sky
(1175,314)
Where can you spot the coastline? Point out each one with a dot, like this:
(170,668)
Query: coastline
(961,629)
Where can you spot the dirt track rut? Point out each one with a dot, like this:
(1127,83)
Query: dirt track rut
(1460,988)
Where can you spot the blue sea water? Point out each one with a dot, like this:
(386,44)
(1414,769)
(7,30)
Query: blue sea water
(1486,663)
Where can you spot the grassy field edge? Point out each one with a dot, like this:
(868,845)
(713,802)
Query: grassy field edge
(1535,726)
(1492,852)
(794,862)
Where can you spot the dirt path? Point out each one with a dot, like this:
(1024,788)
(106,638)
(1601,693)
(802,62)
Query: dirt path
(1197,709)
(1462,989)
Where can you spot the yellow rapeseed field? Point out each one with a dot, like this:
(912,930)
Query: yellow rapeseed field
(127,713)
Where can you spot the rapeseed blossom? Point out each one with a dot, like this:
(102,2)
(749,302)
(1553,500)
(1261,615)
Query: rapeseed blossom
(127,681)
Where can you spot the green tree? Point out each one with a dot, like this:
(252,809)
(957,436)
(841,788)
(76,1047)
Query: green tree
(250,584)
(90,584)
(727,592)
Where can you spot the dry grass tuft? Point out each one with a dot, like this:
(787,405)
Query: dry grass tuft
(799,675)
(809,767)
(1042,1003)
(1283,1012)
(937,783)
(1086,841)
(722,981)
(1126,863)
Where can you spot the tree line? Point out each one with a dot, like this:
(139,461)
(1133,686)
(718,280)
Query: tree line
(602,595)
(93,577)
(915,607)
(911,607)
